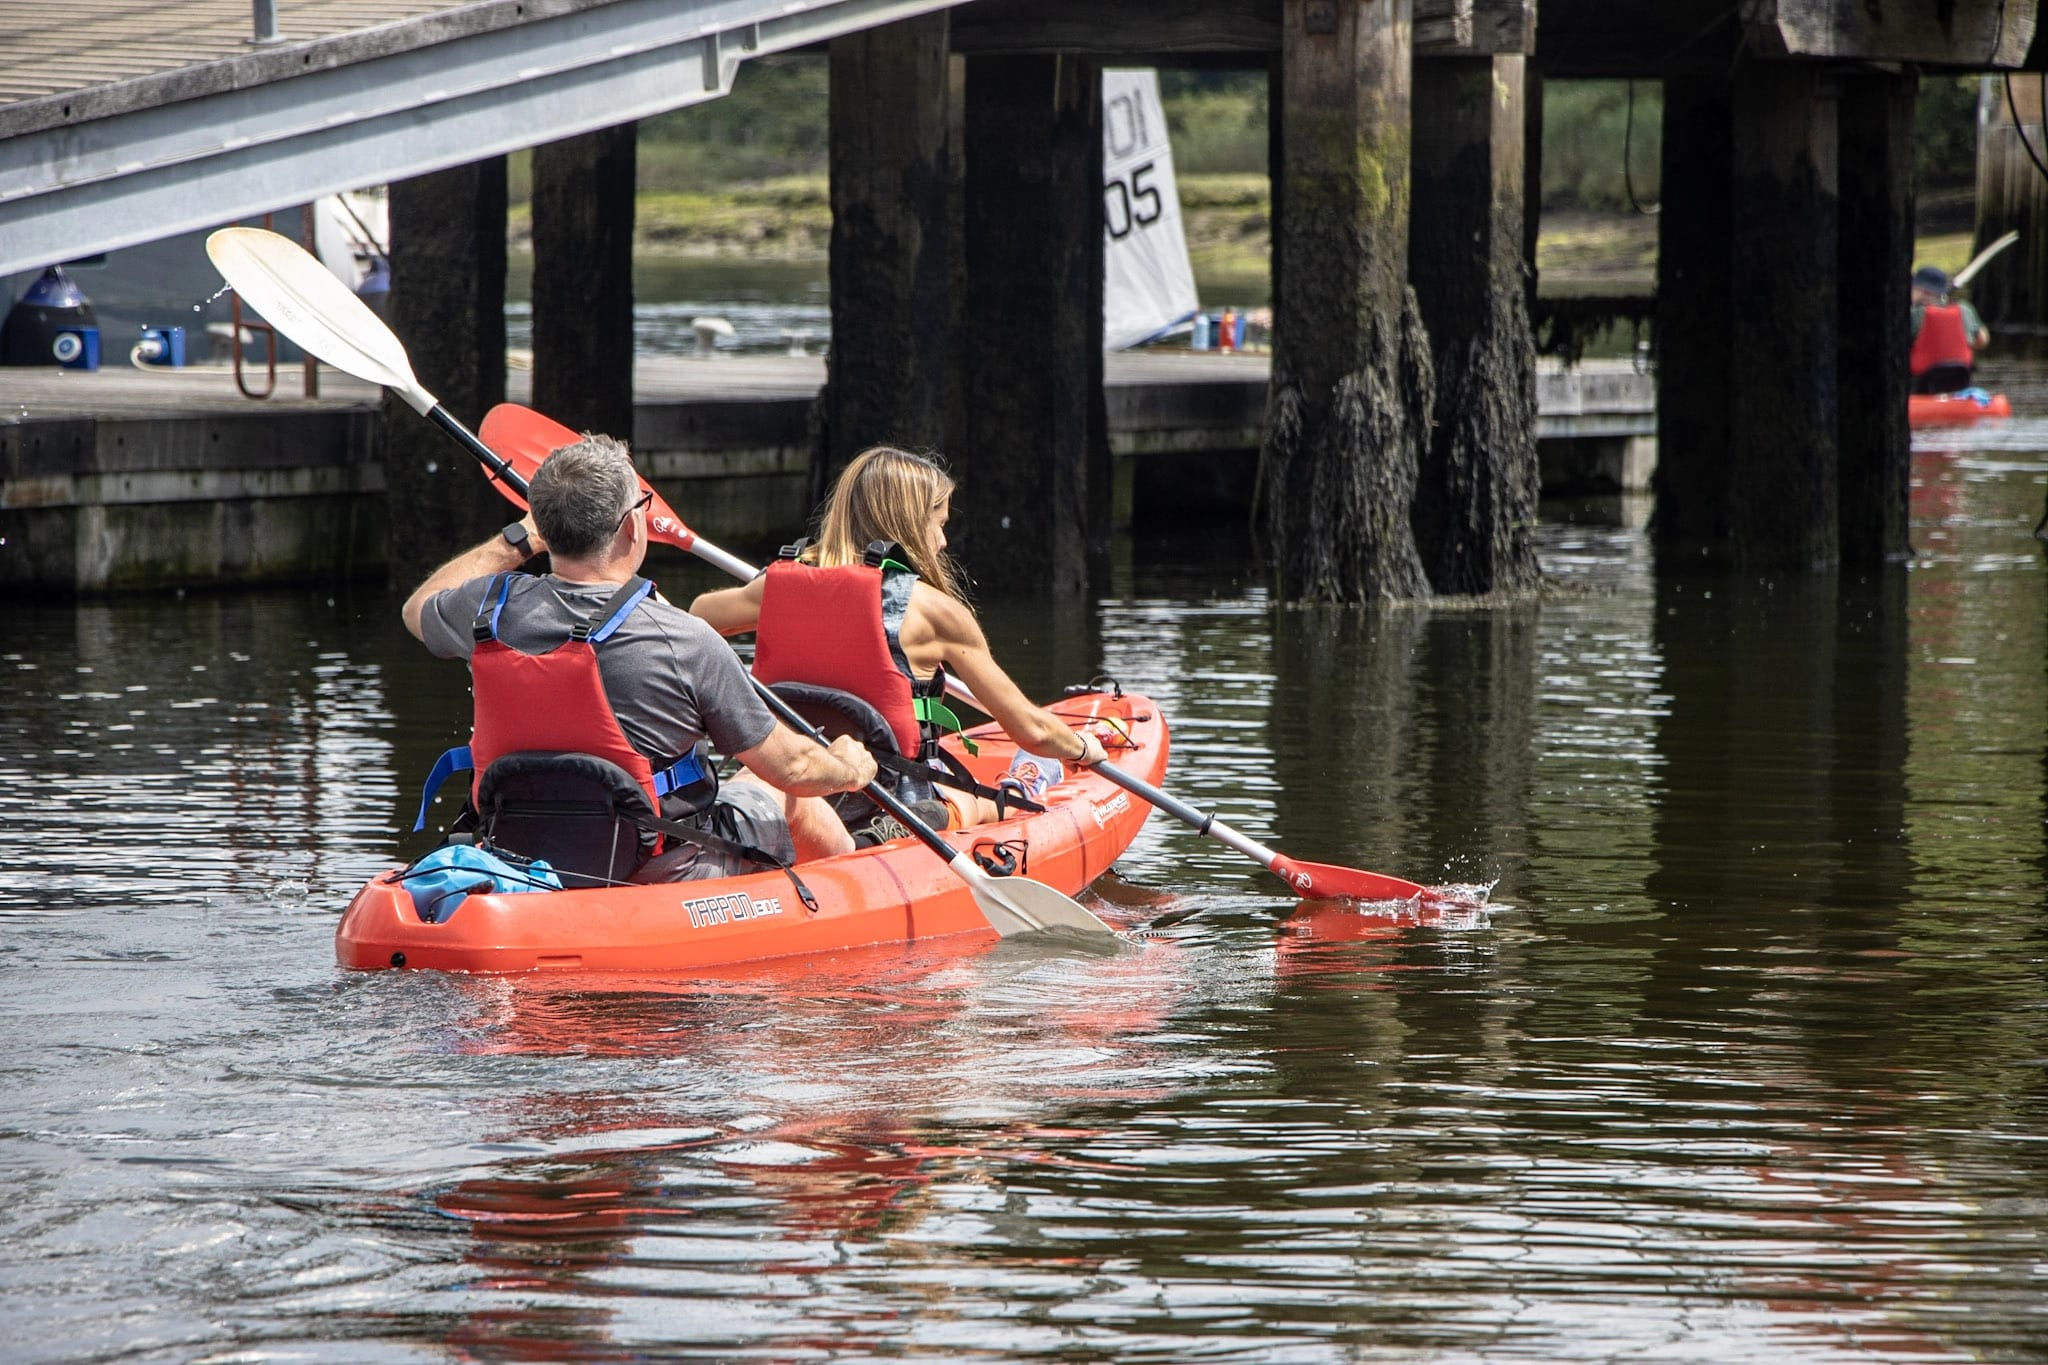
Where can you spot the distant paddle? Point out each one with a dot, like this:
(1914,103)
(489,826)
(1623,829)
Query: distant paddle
(524,438)
(297,296)
(1982,259)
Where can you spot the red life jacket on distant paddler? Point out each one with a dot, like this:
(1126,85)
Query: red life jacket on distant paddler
(1942,340)
(553,702)
(840,627)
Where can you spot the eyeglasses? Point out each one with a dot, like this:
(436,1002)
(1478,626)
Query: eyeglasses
(633,507)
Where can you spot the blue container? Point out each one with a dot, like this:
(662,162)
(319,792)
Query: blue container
(162,346)
(1199,338)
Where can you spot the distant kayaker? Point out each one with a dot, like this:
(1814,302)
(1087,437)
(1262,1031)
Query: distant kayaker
(896,503)
(1946,336)
(664,682)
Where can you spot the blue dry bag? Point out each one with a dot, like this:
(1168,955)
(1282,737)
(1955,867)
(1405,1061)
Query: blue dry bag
(440,881)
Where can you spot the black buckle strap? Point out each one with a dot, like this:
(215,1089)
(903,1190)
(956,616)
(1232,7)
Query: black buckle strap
(1003,857)
(718,843)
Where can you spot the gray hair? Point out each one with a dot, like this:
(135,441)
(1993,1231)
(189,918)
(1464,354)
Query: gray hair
(580,492)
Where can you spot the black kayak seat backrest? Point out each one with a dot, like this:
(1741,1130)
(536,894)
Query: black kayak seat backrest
(839,713)
(835,713)
(585,815)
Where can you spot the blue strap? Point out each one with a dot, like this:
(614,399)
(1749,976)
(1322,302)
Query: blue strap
(454,761)
(681,773)
(622,610)
(485,627)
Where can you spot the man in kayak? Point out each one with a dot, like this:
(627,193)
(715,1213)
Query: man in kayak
(1946,336)
(549,653)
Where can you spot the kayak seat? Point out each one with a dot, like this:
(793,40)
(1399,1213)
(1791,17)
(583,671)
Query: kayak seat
(584,815)
(835,713)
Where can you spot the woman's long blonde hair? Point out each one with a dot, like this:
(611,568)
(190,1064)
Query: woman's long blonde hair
(888,494)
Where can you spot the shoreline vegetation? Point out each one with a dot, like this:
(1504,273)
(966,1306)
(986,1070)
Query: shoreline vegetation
(1226,219)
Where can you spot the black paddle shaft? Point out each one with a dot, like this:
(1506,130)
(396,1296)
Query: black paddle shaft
(487,457)
(875,791)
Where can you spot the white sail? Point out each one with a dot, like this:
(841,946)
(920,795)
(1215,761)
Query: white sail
(1148,287)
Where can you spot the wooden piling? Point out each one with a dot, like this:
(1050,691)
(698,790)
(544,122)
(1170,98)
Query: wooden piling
(1475,500)
(583,191)
(447,305)
(1784,395)
(1353,386)
(1695,313)
(2012,193)
(891,245)
(1876,259)
(1033,511)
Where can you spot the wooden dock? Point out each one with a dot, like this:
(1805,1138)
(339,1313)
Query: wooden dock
(124,477)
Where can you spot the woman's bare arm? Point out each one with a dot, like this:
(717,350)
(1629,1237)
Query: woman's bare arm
(957,639)
(730,611)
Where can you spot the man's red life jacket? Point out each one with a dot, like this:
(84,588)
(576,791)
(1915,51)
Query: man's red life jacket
(839,627)
(553,702)
(1942,339)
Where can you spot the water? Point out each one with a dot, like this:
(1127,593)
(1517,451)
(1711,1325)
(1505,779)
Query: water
(771,304)
(1746,1062)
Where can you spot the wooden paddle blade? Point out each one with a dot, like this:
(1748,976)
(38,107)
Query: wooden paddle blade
(523,438)
(1323,881)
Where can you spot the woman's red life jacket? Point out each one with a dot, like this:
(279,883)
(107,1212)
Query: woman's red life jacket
(840,627)
(1942,339)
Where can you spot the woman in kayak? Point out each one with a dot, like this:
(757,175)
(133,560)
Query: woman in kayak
(875,608)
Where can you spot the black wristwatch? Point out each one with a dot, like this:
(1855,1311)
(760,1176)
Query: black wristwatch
(517,537)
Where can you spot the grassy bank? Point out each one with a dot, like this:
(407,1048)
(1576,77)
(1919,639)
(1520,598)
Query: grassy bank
(1227,220)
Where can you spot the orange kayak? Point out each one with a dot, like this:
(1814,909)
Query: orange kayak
(893,893)
(1955,409)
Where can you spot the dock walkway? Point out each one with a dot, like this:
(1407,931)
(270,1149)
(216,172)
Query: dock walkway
(119,476)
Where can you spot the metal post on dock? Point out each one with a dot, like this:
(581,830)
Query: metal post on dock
(265,22)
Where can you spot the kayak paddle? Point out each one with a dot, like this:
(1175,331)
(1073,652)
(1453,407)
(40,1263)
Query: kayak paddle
(524,438)
(300,298)
(1982,259)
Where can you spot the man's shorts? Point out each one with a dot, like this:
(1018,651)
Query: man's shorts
(745,813)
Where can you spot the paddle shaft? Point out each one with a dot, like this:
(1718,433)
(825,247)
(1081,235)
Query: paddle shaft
(466,438)
(875,791)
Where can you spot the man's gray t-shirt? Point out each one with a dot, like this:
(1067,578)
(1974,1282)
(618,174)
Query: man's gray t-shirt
(671,679)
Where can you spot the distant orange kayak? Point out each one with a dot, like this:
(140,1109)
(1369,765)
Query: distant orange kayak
(1955,409)
(893,893)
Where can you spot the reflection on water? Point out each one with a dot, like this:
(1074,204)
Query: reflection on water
(1744,1062)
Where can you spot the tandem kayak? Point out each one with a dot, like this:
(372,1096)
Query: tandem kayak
(893,893)
(1955,409)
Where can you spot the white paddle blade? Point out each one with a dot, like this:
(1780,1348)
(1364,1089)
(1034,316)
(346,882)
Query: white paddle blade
(300,298)
(1982,259)
(1018,905)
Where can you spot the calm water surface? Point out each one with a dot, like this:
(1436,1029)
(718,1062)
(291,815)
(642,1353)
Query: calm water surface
(1748,1060)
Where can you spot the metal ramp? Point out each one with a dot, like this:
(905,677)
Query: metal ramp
(178,122)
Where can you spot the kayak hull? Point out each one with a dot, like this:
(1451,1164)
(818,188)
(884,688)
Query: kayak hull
(896,893)
(1955,409)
